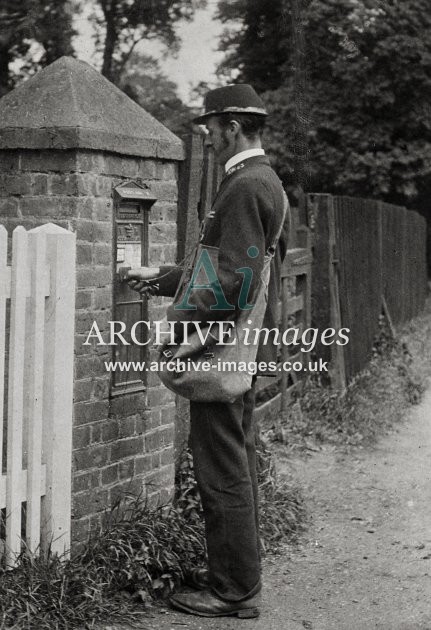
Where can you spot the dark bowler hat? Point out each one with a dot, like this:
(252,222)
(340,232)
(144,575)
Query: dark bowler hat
(237,99)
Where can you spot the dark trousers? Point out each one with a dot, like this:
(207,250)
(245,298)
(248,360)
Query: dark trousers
(224,456)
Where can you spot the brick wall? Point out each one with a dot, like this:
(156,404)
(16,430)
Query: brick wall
(122,443)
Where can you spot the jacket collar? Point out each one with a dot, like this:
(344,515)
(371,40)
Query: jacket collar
(241,156)
(249,161)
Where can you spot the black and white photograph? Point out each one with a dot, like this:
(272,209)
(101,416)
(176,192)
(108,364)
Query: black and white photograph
(215,314)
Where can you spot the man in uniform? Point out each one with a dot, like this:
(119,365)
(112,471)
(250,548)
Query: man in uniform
(244,220)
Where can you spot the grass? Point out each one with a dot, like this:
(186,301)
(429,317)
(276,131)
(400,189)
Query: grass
(140,557)
(375,401)
(416,334)
(282,510)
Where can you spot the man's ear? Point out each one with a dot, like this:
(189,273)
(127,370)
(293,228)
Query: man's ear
(234,127)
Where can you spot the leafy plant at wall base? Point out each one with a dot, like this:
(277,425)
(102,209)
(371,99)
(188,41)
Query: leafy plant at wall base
(140,556)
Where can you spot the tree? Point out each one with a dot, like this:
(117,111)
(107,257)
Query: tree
(257,50)
(144,82)
(365,90)
(128,22)
(27,24)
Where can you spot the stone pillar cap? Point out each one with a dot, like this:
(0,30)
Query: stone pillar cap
(69,105)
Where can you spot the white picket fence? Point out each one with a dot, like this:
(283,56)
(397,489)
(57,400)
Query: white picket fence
(37,302)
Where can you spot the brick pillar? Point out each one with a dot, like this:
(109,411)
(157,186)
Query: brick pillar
(67,137)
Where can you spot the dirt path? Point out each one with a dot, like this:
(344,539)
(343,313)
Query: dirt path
(366,561)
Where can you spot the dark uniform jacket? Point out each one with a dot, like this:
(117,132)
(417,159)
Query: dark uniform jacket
(246,212)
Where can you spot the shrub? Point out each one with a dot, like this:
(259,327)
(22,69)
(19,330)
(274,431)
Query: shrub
(372,403)
(141,555)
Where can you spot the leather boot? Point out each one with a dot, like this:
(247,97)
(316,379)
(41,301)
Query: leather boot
(206,604)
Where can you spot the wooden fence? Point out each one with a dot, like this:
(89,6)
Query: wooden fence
(37,301)
(369,258)
(274,394)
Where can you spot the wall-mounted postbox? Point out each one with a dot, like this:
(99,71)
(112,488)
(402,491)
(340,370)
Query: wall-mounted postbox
(132,205)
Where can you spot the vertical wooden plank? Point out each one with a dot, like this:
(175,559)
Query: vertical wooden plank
(58,388)
(34,385)
(293,240)
(284,347)
(423,260)
(380,250)
(4,293)
(407,268)
(416,265)
(388,256)
(208,183)
(392,217)
(338,370)
(412,281)
(307,298)
(404,265)
(189,195)
(19,283)
(317,206)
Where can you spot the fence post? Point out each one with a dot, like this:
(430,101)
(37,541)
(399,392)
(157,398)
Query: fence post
(19,285)
(339,370)
(58,388)
(34,384)
(326,310)
(189,195)
(4,293)
(404,274)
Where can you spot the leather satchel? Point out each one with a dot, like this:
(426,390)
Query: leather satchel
(214,371)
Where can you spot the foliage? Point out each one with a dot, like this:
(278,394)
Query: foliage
(140,556)
(127,22)
(143,81)
(282,510)
(373,402)
(187,499)
(33,33)
(258,49)
(416,335)
(366,79)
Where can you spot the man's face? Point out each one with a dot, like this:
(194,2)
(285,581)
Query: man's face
(222,139)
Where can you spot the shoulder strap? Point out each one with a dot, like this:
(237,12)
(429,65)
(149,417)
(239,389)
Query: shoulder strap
(271,249)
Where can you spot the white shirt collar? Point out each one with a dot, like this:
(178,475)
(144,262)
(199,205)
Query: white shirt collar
(244,155)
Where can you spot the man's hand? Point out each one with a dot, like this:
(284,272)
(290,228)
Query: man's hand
(142,279)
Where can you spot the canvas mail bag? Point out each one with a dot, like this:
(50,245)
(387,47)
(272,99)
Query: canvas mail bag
(214,371)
